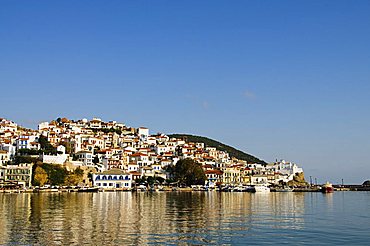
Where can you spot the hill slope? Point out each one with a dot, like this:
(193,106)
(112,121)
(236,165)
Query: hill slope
(220,146)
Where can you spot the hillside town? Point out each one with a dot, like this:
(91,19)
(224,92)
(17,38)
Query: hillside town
(117,155)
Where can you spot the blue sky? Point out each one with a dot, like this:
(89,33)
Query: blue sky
(277,79)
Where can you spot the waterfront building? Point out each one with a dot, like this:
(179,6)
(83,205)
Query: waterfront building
(231,175)
(215,176)
(259,179)
(114,178)
(19,174)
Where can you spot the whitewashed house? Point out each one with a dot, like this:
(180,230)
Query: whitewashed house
(4,157)
(114,178)
(143,133)
(86,157)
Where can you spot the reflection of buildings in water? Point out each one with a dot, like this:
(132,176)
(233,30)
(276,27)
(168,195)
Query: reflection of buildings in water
(14,210)
(133,218)
(282,210)
(3,220)
(236,207)
(161,214)
(46,218)
(141,218)
(232,208)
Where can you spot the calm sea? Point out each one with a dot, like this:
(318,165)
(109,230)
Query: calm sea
(185,218)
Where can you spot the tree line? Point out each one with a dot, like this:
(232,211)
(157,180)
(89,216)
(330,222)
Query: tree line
(51,174)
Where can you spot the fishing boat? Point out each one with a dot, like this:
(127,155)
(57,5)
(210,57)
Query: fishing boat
(327,188)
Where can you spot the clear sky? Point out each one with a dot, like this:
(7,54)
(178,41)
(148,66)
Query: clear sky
(277,79)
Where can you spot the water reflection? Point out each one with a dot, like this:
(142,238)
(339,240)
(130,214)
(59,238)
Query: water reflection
(143,218)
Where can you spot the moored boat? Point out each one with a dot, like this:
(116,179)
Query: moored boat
(88,189)
(261,188)
(242,188)
(327,188)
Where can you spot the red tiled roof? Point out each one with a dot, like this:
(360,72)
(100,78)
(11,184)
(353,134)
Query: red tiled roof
(217,172)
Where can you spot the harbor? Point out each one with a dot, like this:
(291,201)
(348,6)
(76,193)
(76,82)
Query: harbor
(199,188)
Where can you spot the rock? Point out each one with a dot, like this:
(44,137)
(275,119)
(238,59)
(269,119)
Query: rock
(298,181)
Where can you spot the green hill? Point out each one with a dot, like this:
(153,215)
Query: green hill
(220,146)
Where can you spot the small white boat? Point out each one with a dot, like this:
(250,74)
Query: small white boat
(261,188)
(242,188)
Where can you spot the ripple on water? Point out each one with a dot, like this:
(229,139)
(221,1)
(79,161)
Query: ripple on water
(183,218)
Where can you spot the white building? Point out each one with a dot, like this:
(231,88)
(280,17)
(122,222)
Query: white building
(133,167)
(114,178)
(86,157)
(43,126)
(4,157)
(27,142)
(143,133)
(21,174)
(95,123)
(259,179)
(54,159)
(8,147)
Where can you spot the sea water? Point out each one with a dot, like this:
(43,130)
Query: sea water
(185,218)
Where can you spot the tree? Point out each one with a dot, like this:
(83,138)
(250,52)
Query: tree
(79,172)
(46,147)
(160,180)
(41,177)
(24,159)
(189,172)
(68,146)
(96,160)
(57,174)
(28,152)
(75,178)
(71,179)
(150,180)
